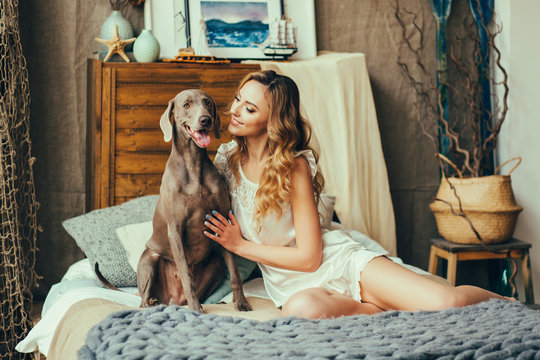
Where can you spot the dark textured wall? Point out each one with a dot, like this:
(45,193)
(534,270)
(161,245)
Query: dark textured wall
(58,37)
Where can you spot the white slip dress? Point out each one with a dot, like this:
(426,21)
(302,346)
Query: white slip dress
(344,258)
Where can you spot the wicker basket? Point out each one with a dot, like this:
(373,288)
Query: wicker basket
(488,202)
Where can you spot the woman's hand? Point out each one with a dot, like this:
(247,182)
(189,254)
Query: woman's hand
(225,232)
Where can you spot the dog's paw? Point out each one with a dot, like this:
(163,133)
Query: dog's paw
(149,302)
(197,308)
(242,305)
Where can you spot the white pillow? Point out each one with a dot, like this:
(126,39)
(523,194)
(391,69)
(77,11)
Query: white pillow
(133,238)
(82,269)
(326,210)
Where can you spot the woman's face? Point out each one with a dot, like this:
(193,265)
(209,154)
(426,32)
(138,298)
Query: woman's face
(249,111)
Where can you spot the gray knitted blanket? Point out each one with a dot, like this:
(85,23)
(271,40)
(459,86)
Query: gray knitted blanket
(495,329)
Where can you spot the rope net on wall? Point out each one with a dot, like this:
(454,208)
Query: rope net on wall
(18,206)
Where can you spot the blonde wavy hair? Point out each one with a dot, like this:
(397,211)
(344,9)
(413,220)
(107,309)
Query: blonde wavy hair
(288,133)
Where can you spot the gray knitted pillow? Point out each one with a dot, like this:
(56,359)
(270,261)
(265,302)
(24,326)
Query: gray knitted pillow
(95,234)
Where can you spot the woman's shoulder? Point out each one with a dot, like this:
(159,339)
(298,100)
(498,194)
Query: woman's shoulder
(225,148)
(220,161)
(310,158)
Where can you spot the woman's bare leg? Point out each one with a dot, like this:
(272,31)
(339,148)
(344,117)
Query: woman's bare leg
(388,285)
(317,303)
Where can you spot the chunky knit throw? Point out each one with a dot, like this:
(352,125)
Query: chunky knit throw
(495,329)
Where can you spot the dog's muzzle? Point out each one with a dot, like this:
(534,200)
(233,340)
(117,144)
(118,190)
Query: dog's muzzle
(201,137)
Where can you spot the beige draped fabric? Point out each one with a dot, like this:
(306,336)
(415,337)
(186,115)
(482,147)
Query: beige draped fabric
(336,98)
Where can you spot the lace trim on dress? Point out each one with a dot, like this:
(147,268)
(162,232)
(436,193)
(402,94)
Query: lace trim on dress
(244,191)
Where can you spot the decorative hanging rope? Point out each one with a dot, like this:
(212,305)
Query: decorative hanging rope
(18,206)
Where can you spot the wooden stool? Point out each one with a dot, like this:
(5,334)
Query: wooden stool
(453,253)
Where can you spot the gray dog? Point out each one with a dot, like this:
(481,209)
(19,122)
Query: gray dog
(191,188)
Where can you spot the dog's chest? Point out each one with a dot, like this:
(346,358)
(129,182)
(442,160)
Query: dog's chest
(195,196)
(180,179)
(194,202)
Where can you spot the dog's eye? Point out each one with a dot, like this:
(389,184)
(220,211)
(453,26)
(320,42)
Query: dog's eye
(208,103)
(186,105)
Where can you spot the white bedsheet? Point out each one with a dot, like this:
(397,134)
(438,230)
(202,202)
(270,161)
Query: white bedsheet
(41,335)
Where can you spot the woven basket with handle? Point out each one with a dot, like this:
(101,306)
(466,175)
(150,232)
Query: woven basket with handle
(483,204)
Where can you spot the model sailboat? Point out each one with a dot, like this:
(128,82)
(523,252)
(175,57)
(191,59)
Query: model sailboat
(200,54)
(280,41)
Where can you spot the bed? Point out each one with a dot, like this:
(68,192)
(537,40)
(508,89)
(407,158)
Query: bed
(81,318)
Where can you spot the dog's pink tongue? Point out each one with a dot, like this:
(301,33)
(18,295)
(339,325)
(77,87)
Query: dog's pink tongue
(201,138)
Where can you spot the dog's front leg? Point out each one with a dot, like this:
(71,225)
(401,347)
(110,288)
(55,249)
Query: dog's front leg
(239,299)
(180,259)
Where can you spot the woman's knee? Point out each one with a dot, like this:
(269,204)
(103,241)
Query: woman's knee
(454,298)
(307,304)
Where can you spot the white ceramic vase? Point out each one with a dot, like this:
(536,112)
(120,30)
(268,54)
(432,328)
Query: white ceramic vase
(125,30)
(146,47)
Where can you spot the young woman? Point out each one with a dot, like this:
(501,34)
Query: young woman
(272,175)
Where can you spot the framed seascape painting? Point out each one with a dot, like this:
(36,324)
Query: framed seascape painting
(231,28)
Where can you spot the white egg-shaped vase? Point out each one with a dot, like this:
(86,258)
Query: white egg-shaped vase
(146,47)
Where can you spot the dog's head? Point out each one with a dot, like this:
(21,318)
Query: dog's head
(194,116)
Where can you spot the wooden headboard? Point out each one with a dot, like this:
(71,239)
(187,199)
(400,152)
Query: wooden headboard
(126,151)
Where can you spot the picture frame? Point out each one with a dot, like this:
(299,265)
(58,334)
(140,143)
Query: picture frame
(302,14)
(168,20)
(233,27)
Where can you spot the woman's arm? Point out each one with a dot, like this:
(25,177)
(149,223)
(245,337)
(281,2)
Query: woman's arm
(307,254)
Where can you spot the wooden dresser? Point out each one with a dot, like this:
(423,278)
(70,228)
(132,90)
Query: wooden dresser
(126,151)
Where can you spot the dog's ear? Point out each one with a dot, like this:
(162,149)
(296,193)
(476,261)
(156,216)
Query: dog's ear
(217,122)
(165,122)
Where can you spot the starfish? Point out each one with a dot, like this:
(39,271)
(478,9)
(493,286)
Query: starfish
(116,45)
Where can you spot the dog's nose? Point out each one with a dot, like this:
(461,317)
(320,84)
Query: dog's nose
(205,120)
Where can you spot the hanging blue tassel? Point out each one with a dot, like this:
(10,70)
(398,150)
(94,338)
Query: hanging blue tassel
(482,11)
(441,12)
